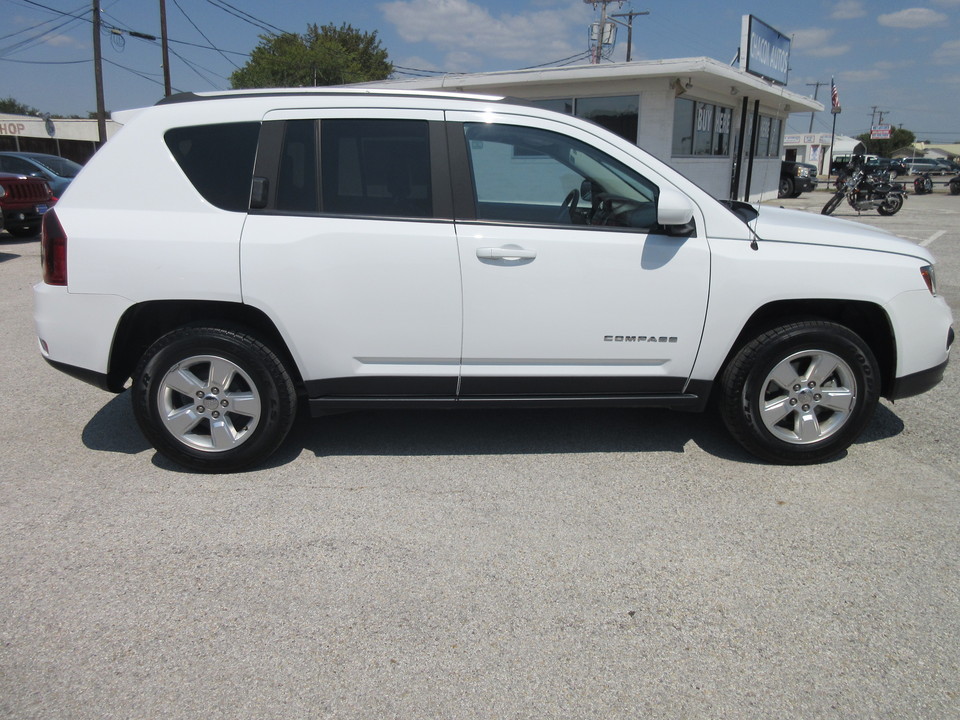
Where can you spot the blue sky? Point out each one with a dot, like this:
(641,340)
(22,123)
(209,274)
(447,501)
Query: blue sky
(902,57)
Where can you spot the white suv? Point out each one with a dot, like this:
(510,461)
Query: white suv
(369,248)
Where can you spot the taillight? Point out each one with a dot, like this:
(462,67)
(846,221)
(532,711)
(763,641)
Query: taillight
(930,278)
(53,250)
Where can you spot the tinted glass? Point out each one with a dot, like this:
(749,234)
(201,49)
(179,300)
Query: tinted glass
(563,105)
(18,165)
(58,165)
(683,113)
(619,114)
(218,160)
(376,167)
(297,181)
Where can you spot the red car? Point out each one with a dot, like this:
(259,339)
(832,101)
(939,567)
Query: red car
(23,201)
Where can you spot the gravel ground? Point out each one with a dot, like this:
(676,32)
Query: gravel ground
(476,564)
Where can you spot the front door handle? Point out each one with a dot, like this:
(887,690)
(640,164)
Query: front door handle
(506,253)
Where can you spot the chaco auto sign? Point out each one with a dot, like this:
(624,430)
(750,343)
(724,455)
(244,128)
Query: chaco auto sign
(764,51)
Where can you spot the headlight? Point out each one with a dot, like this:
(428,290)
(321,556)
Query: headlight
(803,172)
(930,278)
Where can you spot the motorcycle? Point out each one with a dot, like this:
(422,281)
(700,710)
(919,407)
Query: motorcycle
(954,186)
(922,184)
(866,192)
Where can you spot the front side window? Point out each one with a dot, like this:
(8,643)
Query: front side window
(528,175)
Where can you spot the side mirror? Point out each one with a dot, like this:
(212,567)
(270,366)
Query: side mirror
(674,208)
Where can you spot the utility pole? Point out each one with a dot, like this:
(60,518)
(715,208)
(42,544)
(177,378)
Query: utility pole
(816,88)
(630,16)
(98,74)
(164,50)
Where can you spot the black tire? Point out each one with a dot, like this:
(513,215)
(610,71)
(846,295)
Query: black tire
(833,203)
(891,206)
(804,423)
(786,188)
(193,418)
(24,232)
(955,187)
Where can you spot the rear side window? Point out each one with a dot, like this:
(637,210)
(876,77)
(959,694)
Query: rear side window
(218,160)
(376,167)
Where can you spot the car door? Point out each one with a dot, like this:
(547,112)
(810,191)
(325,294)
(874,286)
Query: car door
(570,288)
(350,249)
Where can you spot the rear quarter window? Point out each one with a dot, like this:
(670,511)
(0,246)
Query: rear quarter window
(218,160)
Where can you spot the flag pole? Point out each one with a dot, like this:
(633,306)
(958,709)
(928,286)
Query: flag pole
(834,110)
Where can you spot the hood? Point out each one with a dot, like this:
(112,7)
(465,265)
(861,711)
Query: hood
(797,226)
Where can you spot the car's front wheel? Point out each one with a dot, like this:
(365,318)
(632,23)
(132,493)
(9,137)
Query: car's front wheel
(213,399)
(800,393)
(786,188)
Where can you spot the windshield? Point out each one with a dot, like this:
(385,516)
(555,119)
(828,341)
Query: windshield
(58,165)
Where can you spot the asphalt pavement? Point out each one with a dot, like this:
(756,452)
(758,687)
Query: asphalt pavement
(477,564)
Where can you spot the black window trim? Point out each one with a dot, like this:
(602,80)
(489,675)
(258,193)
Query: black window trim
(267,168)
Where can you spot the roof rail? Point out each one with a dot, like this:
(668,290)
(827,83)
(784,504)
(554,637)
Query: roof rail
(321,91)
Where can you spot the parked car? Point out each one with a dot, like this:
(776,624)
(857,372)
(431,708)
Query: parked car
(234,252)
(872,163)
(57,171)
(23,202)
(949,168)
(838,163)
(917,165)
(796,178)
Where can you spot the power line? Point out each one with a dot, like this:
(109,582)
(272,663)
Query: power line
(247,17)
(195,27)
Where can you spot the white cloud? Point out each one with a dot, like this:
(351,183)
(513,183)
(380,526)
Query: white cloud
(59,41)
(912,18)
(855,76)
(817,42)
(466,31)
(948,53)
(848,10)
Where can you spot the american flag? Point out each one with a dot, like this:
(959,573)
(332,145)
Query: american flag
(834,98)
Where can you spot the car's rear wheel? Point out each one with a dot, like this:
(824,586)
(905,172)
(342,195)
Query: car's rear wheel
(213,399)
(800,393)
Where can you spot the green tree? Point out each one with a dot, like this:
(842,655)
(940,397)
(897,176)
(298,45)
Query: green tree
(899,138)
(13,107)
(325,55)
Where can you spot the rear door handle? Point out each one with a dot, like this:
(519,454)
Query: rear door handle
(505,253)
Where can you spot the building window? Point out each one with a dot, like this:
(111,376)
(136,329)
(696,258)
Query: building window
(619,114)
(769,134)
(561,105)
(701,128)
